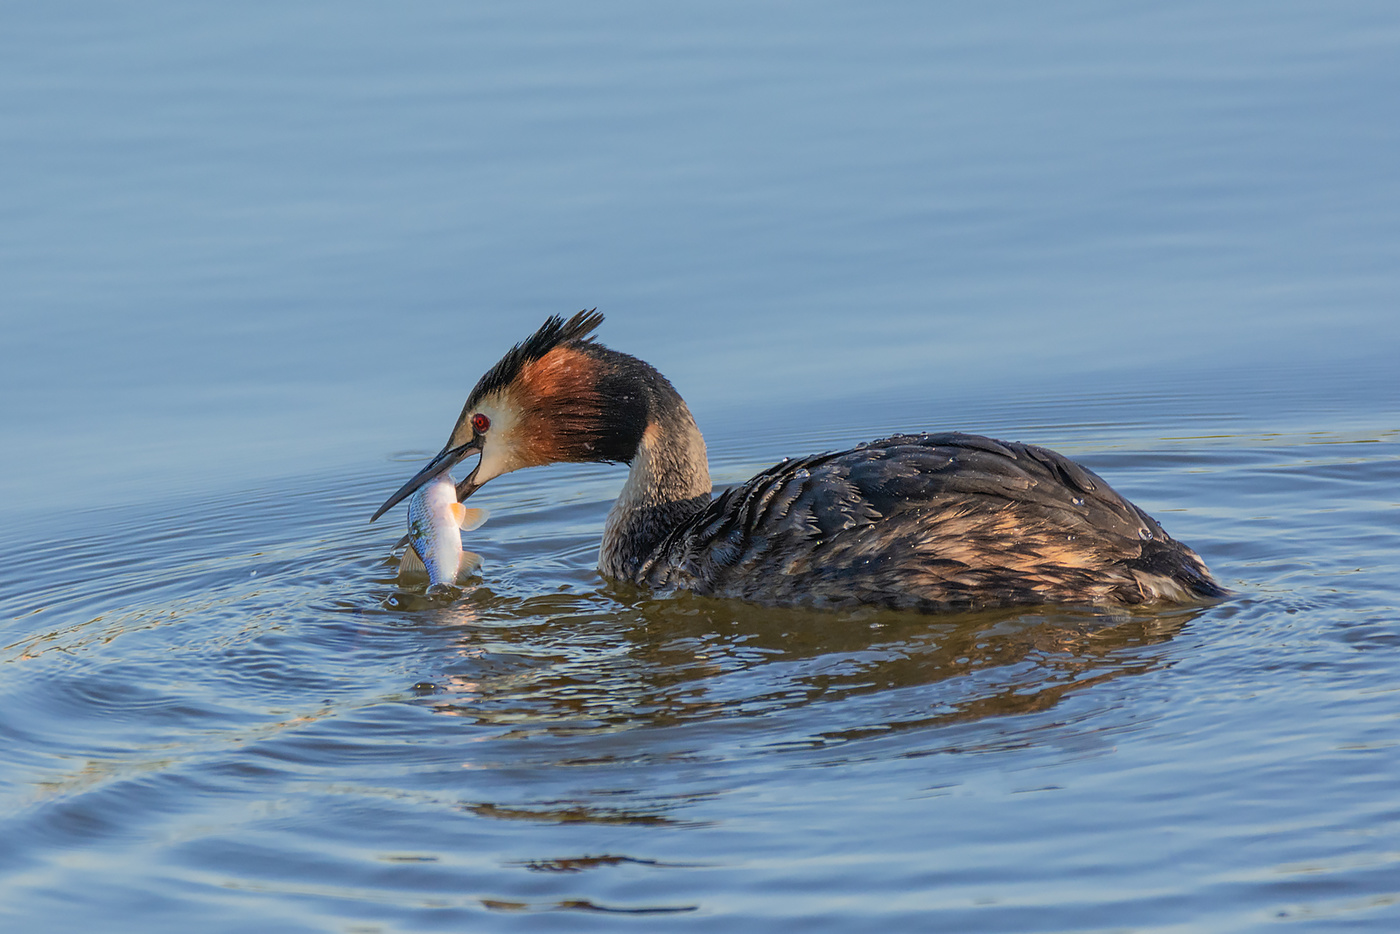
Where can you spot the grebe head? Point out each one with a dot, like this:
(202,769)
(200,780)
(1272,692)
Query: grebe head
(556,396)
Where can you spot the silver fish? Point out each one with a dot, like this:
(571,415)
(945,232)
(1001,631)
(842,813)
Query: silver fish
(435,525)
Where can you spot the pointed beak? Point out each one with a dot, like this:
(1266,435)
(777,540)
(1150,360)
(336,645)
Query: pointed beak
(468,486)
(446,459)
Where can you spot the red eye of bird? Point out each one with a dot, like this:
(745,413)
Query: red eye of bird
(480,422)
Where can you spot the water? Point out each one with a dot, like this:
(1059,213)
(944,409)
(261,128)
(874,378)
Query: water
(253,260)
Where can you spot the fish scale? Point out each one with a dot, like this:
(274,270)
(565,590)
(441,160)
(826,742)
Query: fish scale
(435,523)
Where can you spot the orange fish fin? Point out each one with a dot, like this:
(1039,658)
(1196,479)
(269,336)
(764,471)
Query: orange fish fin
(468,519)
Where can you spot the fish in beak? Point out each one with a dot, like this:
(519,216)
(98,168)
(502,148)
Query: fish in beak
(436,522)
(445,460)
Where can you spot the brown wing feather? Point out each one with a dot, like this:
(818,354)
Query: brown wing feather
(931,521)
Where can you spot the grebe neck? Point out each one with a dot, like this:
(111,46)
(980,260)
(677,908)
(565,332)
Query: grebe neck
(669,482)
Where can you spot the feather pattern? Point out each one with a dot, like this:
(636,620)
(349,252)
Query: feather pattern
(931,522)
(555,332)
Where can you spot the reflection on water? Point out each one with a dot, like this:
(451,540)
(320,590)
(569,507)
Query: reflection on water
(691,659)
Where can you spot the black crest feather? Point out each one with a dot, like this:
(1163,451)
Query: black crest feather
(552,333)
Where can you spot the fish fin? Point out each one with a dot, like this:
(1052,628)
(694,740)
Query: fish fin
(468,518)
(411,566)
(468,566)
(403,541)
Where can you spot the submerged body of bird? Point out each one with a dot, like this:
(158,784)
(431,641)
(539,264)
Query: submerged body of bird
(928,521)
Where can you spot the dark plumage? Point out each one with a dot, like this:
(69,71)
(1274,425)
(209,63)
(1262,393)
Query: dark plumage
(927,522)
(554,332)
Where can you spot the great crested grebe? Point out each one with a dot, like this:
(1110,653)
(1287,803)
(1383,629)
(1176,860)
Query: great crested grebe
(928,521)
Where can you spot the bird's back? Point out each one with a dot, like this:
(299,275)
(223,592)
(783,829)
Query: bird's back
(931,522)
